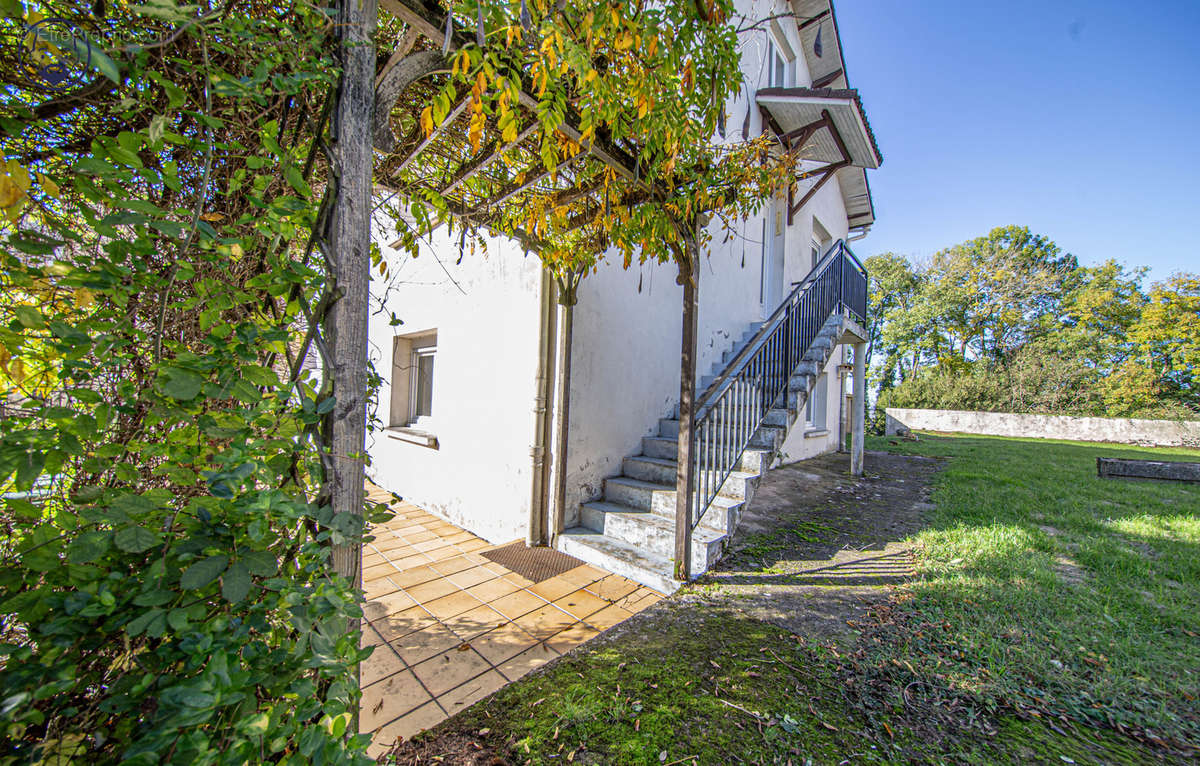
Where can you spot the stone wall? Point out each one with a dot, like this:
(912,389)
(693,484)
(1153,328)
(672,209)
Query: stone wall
(1154,433)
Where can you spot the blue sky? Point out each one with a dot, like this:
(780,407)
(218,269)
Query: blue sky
(1078,119)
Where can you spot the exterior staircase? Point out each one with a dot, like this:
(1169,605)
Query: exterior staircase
(631,529)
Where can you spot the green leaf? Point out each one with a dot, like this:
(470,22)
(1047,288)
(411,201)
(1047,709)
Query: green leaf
(261,563)
(12,9)
(236,583)
(90,54)
(203,572)
(257,725)
(39,551)
(153,622)
(29,468)
(180,384)
(155,597)
(89,546)
(158,126)
(30,317)
(135,539)
(178,620)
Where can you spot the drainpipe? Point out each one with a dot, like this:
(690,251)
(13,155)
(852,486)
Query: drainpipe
(566,298)
(543,405)
(842,369)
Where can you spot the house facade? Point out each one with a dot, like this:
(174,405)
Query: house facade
(475,419)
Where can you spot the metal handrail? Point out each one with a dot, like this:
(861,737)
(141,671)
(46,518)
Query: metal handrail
(734,406)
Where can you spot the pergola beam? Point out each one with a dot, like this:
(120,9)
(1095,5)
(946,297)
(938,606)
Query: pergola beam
(454,114)
(419,15)
(480,163)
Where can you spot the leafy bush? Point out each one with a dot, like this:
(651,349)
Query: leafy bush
(165,588)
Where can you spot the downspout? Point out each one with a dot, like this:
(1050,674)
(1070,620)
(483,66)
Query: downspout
(567,298)
(543,405)
(842,369)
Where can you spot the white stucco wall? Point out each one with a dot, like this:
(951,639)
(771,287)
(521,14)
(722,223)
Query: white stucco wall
(484,387)
(803,443)
(627,344)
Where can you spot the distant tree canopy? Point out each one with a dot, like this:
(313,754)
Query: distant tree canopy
(1009,322)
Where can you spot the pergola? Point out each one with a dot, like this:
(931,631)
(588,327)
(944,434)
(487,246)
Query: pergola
(485,175)
(474,174)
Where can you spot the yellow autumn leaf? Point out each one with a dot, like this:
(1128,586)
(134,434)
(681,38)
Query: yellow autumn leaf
(212,217)
(10,193)
(84,297)
(50,187)
(236,249)
(427,121)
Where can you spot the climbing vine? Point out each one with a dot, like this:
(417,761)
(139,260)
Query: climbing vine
(165,594)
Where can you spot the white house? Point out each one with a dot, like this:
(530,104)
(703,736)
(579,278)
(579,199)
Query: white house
(470,404)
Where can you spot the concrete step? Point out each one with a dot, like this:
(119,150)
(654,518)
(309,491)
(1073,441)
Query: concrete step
(621,558)
(657,498)
(651,532)
(802,383)
(777,416)
(739,485)
(666,447)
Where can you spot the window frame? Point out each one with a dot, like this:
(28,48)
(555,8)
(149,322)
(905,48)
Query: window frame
(415,418)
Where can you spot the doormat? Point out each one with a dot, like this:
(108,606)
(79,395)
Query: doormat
(536,564)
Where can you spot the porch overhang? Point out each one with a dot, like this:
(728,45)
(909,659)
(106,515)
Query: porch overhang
(828,130)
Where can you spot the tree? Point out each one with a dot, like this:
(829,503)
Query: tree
(1167,337)
(993,293)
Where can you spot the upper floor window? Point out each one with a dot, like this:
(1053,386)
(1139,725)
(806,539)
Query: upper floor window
(782,64)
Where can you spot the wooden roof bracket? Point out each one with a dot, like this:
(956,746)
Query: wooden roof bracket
(825,172)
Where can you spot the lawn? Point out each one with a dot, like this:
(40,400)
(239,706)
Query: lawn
(1054,617)
(1062,590)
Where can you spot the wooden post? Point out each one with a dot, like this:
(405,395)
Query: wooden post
(685,473)
(350,253)
(859,416)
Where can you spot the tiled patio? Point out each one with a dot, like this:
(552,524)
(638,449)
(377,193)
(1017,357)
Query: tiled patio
(452,627)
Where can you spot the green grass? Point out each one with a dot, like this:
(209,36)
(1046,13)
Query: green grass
(1052,611)
(1061,590)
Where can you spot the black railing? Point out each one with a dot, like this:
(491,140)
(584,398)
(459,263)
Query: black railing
(731,410)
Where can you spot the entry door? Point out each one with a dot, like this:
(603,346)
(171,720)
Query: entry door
(772,265)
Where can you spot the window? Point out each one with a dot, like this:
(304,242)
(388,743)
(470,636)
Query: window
(422,384)
(781,63)
(815,254)
(413,380)
(815,407)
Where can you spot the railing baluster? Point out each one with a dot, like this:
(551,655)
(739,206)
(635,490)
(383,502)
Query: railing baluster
(732,410)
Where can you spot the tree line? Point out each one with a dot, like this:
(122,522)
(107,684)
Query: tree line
(1009,322)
